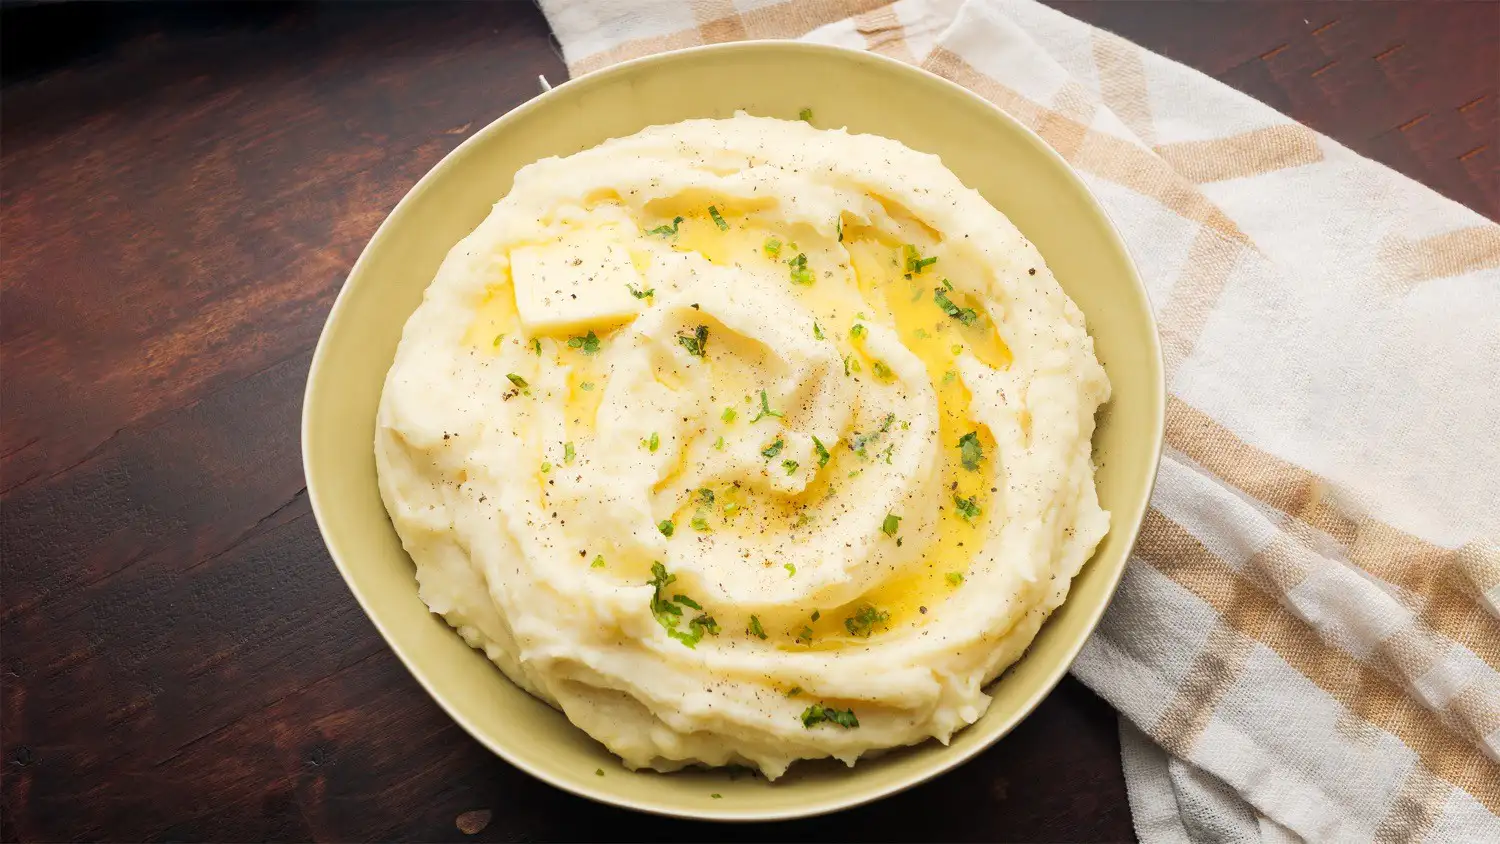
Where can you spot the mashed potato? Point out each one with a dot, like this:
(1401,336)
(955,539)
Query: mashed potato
(744,442)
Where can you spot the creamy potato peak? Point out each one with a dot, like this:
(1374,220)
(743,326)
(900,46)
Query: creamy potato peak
(745,442)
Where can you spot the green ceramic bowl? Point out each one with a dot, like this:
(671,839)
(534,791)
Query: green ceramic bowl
(1013,168)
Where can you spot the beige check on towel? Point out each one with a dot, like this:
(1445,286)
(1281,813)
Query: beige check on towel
(1307,638)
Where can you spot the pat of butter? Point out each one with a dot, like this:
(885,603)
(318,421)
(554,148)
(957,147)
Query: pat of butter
(580,281)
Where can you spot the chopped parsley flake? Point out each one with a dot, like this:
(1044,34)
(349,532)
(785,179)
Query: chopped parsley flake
(823,455)
(891,524)
(728,414)
(755,629)
(915,263)
(536,346)
(805,637)
(857,330)
(731,508)
(765,409)
(967,508)
(517,380)
(546,467)
(639,293)
(598,562)
(794,691)
(498,338)
(850,364)
(963,315)
(687,602)
(719,444)
(880,369)
(666,527)
(568,452)
(773,449)
(970,451)
(667,230)
(716,795)
(946,283)
(791,570)
(587,386)
(816,615)
(949,376)
(838,226)
(695,343)
(699,522)
(790,466)
(805,114)
(772,247)
(956,349)
(954,577)
(718,221)
(800,273)
(921,334)
(817,331)
(820,714)
(706,495)
(598,772)
(588,343)
(864,621)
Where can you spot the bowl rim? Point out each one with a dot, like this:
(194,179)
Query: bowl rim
(945,762)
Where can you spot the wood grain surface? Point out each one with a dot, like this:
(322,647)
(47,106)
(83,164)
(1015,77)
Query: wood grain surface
(183,189)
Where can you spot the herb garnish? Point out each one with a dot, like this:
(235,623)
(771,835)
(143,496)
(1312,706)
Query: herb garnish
(568,452)
(667,613)
(800,273)
(755,629)
(667,230)
(880,369)
(718,221)
(641,294)
(954,577)
(967,507)
(666,527)
(517,380)
(970,451)
(817,331)
(765,409)
(820,714)
(536,346)
(498,338)
(963,315)
(598,562)
(772,247)
(915,263)
(773,449)
(653,443)
(790,466)
(588,343)
(856,330)
(823,455)
(695,343)
(791,570)
(805,114)
(864,620)
(891,524)
(838,226)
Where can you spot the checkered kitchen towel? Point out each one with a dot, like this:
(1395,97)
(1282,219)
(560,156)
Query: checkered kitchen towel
(1307,639)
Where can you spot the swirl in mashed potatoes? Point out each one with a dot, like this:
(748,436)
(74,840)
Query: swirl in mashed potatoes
(745,442)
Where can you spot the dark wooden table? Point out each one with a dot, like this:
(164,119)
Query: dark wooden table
(184,189)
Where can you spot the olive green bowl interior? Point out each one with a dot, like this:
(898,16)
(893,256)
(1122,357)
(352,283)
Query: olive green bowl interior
(988,150)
